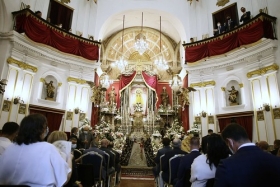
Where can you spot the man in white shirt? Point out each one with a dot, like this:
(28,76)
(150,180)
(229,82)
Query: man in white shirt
(9,132)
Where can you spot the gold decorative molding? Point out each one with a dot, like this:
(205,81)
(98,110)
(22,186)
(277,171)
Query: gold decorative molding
(262,70)
(222,2)
(22,65)
(203,84)
(223,89)
(42,80)
(59,84)
(241,85)
(79,81)
(135,56)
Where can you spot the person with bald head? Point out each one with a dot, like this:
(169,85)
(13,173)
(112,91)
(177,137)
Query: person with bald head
(85,137)
(104,147)
(263,145)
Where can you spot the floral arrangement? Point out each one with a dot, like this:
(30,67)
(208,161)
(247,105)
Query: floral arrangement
(176,130)
(194,129)
(85,123)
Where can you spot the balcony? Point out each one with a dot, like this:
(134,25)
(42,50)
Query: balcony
(41,31)
(261,26)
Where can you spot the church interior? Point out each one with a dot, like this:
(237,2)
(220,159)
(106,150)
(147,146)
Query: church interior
(142,69)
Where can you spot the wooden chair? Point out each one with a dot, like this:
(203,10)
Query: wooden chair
(77,153)
(174,163)
(114,175)
(160,168)
(109,172)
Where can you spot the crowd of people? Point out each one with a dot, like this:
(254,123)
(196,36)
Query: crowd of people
(225,159)
(220,159)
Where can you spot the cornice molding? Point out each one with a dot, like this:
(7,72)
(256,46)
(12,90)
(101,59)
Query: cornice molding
(22,65)
(203,84)
(78,81)
(263,70)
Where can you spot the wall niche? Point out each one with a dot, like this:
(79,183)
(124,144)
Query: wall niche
(233,93)
(49,91)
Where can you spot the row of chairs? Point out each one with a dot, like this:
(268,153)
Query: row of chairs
(91,172)
(174,163)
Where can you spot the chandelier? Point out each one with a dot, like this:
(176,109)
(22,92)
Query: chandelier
(105,81)
(122,63)
(160,61)
(175,83)
(141,44)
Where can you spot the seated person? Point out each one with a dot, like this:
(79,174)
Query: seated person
(246,15)
(220,29)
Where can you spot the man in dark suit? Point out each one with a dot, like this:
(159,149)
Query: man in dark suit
(104,144)
(162,151)
(176,144)
(204,141)
(85,137)
(183,174)
(117,159)
(220,29)
(249,166)
(230,24)
(246,15)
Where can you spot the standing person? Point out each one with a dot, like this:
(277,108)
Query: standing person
(220,29)
(230,24)
(74,134)
(162,151)
(183,174)
(32,162)
(249,165)
(204,167)
(204,141)
(9,132)
(85,137)
(276,146)
(246,16)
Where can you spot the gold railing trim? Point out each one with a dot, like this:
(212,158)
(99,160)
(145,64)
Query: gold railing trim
(21,64)
(203,84)
(263,70)
(79,81)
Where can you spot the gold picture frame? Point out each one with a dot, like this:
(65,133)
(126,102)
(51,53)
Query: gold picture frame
(82,116)
(260,115)
(197,119)
(6,106)
(22,108)
(69,116)
(276,113)
(211,120)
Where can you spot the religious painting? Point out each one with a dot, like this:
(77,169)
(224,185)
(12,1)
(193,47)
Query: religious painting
(22,108)
(69,115)
(276,113)
(6,106)
(138,99)
(260,115)
(82,116)
(197,119)
(210,119)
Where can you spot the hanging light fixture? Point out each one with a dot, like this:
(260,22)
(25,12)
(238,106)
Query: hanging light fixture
(105,81)
(121,63)
(160,62)
(141,44)
(175,83)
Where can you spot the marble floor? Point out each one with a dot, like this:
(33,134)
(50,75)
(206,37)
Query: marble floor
(136,182)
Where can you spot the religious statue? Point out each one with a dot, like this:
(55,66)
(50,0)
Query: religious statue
(233,93)
(138,98)
(164,97)
(3,83)
(96,94)
(185,95)
(112,96)
(50,90)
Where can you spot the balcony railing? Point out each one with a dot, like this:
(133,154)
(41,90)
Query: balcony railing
(261,26)
(41,31)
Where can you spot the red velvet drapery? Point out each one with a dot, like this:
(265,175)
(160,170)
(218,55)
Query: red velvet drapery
(94,109)
(54,116)
(151,81)
(185,112)
(43,32)
(248,33)
(245,119)
(125,81)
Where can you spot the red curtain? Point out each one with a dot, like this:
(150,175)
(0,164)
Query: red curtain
(53,116)
(41,31)
(152,81)
(185,113)
(124,82)
(94,109)
(245,120)
(245,34)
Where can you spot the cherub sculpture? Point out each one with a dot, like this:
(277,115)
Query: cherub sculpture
(96,94)
(184,92)
(3,83)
